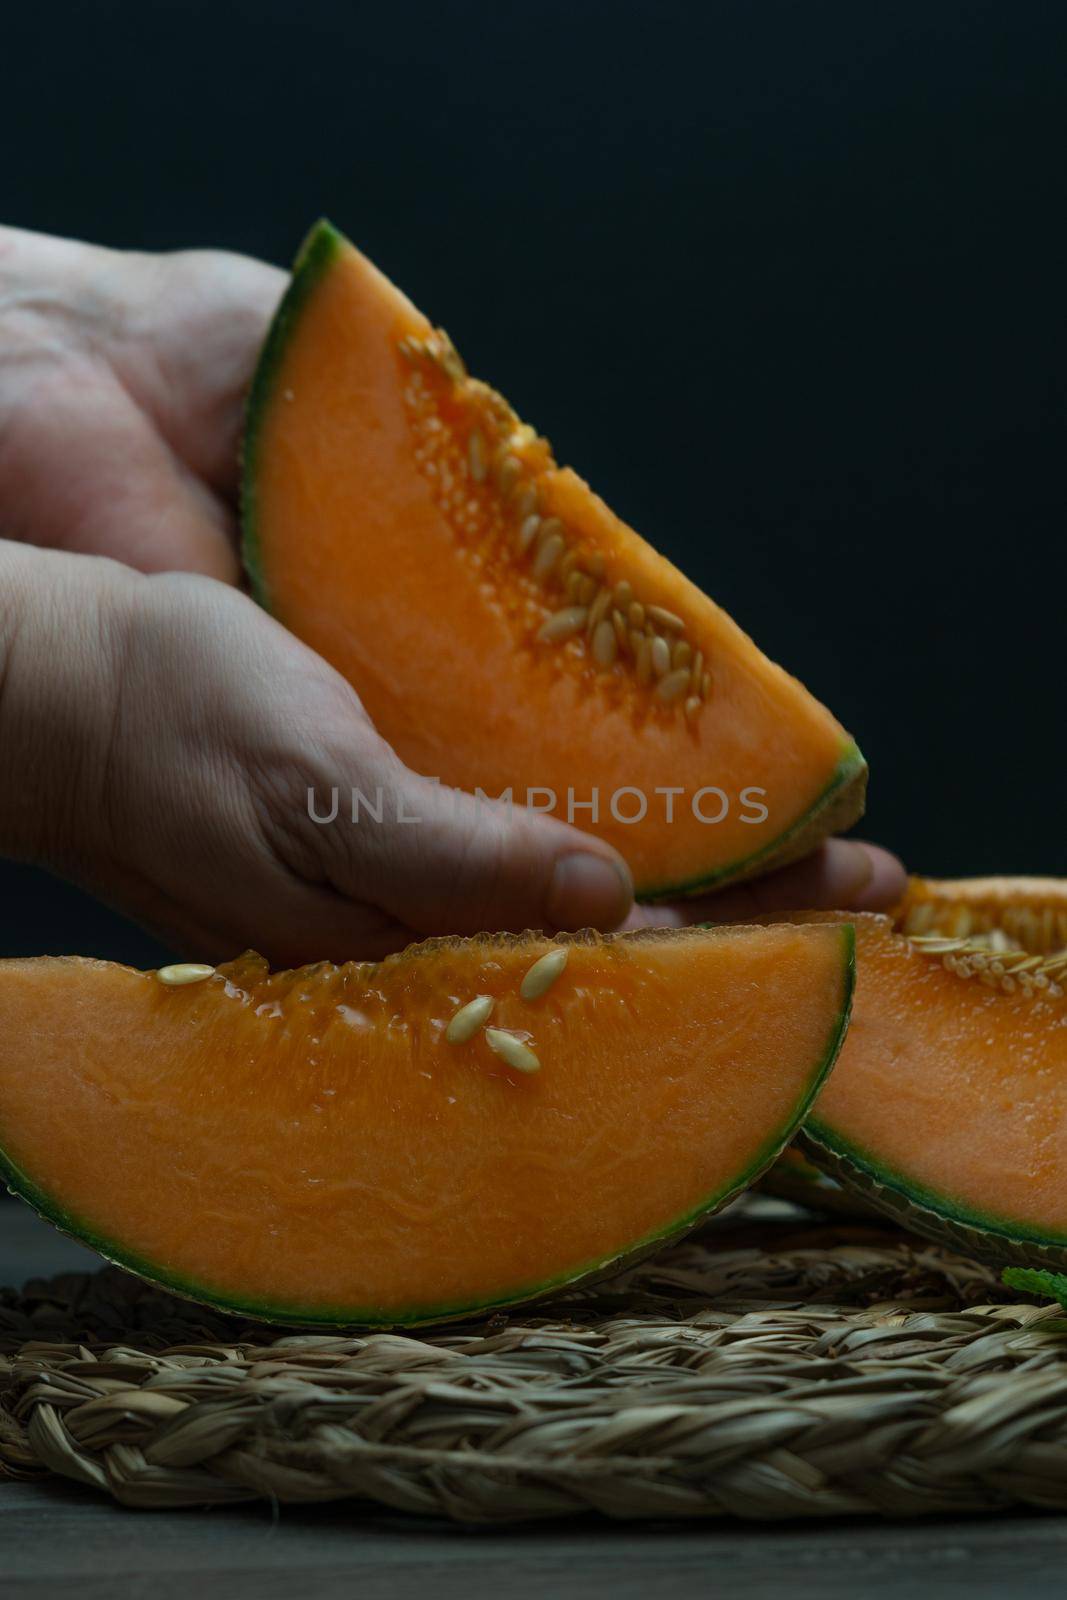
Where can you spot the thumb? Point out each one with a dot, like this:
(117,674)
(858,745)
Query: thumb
(443,861)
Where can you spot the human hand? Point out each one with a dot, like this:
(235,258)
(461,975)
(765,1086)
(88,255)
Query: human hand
(161,736)
(122,387)
(122,383)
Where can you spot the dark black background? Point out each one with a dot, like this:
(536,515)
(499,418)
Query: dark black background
(785,281)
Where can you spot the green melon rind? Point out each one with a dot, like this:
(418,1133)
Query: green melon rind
(313,258)
(815,1190)
(839,805)
(20,1184)
(1000,1240)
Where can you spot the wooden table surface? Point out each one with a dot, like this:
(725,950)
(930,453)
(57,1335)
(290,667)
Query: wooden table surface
(58,1539)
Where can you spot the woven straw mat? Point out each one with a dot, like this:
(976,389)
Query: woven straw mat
(765,1369)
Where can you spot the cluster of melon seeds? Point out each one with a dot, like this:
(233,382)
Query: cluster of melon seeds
(473,1016)
(482,464)
(1009,969)
(1036,928)
(1010,944)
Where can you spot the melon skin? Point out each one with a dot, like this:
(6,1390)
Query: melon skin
(812,796)
(833,971)
(794,1178)
(841,804)
(997,1057)
(1001,1241)
(314,257)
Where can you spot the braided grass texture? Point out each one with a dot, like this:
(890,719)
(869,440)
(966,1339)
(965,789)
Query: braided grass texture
(763,1370)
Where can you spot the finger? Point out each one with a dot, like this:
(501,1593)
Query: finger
(122,492)
(441,861)
(291,923)
(844,874)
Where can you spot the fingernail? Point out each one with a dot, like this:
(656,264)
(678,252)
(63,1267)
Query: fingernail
(589,891)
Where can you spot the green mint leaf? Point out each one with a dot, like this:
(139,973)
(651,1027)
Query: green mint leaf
(1053,1285)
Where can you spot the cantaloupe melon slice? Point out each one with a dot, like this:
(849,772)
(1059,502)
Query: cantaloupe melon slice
(504,629)
(311,1147)
(948,1107)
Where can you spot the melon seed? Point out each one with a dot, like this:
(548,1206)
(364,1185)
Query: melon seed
(476,456)
(183,972)
(531,527)
(563,624)
(665,619)
(692,706)
(469,1018)
(674,684)
(524,503)
(512,1050)
(548,555)
(598,610)
(661,657)
(682,653)
(543,974)
(604,644)
(508,473)
(636,614)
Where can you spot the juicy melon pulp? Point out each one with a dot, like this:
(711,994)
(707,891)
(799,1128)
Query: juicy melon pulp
(307,1145)
(505,630)
(949,1102)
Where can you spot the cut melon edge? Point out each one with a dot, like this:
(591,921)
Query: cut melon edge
(322,242)
(841,804)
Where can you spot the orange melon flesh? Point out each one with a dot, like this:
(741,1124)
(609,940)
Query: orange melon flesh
(949,1101)
(309,1147)
(382,532)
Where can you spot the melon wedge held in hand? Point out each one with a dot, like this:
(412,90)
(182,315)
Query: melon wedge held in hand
(312,1146)
(948,1107)
(505,630)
